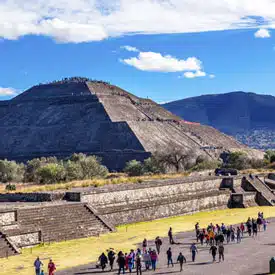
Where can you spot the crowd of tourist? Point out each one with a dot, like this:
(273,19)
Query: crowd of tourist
(147,258)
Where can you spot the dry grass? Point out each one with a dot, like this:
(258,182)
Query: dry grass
(112,179)
(79,252)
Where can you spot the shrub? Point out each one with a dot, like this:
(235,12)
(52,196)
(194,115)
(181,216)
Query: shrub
(33,166)
(134,168)
(153,166)
(50,173)
(91,167)
(73,171)
(206,165)
(11,171)
(10,187)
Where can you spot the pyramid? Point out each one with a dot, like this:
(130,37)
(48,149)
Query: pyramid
(96,118)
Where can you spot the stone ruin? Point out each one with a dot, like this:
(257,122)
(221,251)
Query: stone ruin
(28,219)
(93,117)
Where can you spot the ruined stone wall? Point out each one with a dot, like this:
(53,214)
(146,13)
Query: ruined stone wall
(26,240)
(157,200)
(7,218)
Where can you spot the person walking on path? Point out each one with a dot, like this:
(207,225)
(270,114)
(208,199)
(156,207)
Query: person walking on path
(264,224)
(169,257)
(130,261)
(259,223)
(242,228)
(197,230)
(239,238)
(37,265)
(121,262)
(138,263)
(181,259)
(144,245)
(158,243)
(147,260)
(103,261)
(170,235)
(194,251)
(213,251)
(221,252)
(51,267)
(154,258)
(111,258)
(254,228)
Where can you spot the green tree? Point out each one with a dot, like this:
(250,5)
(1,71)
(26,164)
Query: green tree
(11,171)
(50,173)
(134,168)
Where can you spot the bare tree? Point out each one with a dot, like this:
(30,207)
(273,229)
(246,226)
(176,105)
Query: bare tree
(176,158)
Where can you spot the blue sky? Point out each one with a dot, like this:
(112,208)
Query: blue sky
(166,65)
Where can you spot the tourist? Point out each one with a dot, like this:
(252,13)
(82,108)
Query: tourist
(194,251)
(37,265)
(259,223)
(158,243)
(213,250)
(232,233)
(169,257)
(264,224)
(138,263)
(121,262)
(42,272)
(170,235)
(144,245)
(211,236)
(103,261)
(221,252)
(249,226)
(130,261)
(51,267)
(154,258)
(147,260)
(197,231)
(181,259)
(111,258)
(242,228)
(201,237)
(228,235)
(254,228)
(238,234)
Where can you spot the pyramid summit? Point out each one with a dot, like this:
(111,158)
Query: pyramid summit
(94,117)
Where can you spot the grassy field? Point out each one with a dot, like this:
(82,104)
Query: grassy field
(83,251)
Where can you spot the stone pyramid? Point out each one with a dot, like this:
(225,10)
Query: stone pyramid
(94,117)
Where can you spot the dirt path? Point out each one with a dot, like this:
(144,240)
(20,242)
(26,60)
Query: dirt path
(250,257)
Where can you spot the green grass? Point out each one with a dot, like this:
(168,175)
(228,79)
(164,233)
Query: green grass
(79,252)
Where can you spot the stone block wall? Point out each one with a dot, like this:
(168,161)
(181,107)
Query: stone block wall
(7,218)
(156,200)
(25,240)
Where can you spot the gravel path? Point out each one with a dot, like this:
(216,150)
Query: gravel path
(250,257)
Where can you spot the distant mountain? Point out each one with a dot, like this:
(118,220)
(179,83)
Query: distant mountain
(247,116)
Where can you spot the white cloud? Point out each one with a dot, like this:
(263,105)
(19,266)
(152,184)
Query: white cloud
(7,91)
(92,20)
(262,33)
(212,76)
(130,48)
(156,62)
(194,74)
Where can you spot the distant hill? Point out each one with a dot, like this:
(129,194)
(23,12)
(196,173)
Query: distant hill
(249,117)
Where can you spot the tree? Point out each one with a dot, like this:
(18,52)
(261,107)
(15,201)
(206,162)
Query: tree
(152,165)
(176,158)
(11,171)
(134,168)
(50,173)
(270,156)
(238,160)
